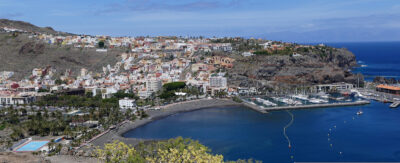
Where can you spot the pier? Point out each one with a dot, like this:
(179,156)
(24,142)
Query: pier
(310,106)
(255,107)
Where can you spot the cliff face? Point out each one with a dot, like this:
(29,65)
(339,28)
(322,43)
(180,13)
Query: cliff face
(277,71)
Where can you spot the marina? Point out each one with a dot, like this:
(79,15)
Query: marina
(310,106)
(265,104)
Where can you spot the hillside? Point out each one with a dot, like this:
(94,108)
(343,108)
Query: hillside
(29,27)
(283,71)
(21,55)
(271,70)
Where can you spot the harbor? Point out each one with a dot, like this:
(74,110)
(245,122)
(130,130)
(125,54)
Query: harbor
(262,109)
(311,106)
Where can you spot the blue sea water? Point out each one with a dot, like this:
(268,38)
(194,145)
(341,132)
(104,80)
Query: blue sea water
(380,58)
(238,132)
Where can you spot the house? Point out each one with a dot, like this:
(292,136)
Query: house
(297,55)
(199,67)
(247,54)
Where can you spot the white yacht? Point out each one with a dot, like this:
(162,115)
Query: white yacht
(323,95)
(301,97)
(318,101)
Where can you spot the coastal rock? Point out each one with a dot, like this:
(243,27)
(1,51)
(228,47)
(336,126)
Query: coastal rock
(383,80)
(314,67)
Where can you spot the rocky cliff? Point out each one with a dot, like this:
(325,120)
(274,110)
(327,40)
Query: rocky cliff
(317,66)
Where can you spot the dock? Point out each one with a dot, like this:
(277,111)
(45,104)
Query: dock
(311,106)
(255,107)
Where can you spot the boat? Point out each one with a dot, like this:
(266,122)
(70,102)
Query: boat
(395,104)
(360,112)
(323,95)
(288,101)
(318,101)
(301,97)
(265,102)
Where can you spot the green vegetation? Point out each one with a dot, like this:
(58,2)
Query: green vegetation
(43,90)
(59,81)
(240,44)
(237,99)
(84,101)
(174,86)
(24,123)
(101,44)
(41,122)
(263,52)
(2,126)
(172,150)
(77,101)
(169,90)
(122,94)
(284,51)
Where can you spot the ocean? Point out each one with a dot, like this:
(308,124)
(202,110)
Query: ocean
(326,134)
(376,58)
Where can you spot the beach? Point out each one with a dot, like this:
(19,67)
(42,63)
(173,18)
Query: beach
(117,134)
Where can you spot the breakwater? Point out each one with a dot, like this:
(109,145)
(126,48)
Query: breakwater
(312,106)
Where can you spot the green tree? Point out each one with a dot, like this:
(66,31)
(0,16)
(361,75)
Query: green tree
(101,44)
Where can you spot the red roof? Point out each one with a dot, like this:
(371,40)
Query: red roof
(388,87)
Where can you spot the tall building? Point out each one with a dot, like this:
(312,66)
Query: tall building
(153,85)
(218,81)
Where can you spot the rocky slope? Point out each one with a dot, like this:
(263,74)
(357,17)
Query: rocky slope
(277,71)
(22,54)
(28,27)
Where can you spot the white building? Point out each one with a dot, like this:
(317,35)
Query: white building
(127,103)
(247,54)
(218,81)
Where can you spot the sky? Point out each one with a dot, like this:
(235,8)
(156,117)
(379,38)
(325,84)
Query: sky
(286,20)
